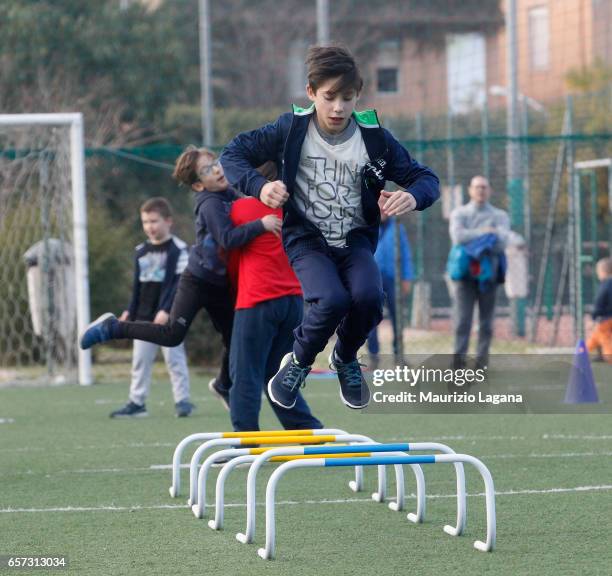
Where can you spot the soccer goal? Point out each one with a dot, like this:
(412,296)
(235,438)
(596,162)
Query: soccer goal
(44,286)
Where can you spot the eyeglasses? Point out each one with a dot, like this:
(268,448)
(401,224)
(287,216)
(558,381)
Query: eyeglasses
(206,170)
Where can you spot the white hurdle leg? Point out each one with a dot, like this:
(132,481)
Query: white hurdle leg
(175,488)
(217,523)
(459,527)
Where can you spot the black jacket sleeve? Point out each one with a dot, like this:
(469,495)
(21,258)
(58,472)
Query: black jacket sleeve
(603,301)
(249,150)
(225,234)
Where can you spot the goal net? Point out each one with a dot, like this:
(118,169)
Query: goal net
(44,292)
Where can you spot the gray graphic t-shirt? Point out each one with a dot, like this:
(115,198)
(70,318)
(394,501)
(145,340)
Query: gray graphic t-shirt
(328,185)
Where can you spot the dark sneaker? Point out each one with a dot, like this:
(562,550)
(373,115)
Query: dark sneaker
(285,385)
(219,392)
(354,391)
(401,361)
(482,363)
(100,330)
(458,362)
(183,408)
(374,362)
(130,410)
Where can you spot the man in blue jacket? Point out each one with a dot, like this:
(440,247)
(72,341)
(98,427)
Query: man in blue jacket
(482,230)
(334,163)
(385,258)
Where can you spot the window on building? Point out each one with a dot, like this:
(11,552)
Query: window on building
(539,38)
(386,80)
(466,70)
(387,67)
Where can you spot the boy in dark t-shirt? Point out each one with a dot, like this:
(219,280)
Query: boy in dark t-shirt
(158,264)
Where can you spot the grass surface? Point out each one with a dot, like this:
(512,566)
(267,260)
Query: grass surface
(75,482)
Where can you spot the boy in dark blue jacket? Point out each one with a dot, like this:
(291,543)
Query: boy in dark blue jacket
(600,342)
(334,163)
(204,282)
(158,265)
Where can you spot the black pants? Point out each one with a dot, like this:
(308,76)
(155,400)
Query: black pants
(467,295)
(192,294)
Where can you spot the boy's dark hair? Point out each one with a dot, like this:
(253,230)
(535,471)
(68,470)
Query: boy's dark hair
(159,205)
(185,167)
(327,62)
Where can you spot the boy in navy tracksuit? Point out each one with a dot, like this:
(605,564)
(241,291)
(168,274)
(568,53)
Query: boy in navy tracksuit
(334,164)
(269,306)
(204,282)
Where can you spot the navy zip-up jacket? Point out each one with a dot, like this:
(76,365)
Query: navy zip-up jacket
(603,301)
(215,234)
(281,142)
(171,277)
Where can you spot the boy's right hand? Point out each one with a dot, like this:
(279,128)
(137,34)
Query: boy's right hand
(272,224)
(274,194)
(125,316)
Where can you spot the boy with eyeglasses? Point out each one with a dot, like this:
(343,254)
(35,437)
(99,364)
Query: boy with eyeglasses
(204,283)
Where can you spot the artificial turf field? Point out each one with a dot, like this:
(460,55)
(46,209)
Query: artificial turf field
(77,483)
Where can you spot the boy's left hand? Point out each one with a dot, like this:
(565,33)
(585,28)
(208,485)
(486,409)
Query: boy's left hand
(161,317)
(396,203)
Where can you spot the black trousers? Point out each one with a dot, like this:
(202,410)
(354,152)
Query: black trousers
(192,294)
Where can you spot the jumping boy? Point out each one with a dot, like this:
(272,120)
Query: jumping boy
(204,282)
(333,162)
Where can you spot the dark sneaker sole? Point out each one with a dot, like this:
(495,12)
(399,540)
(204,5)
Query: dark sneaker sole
(219,396)
(125,416)
(286,359)
(332,365)
(97,321)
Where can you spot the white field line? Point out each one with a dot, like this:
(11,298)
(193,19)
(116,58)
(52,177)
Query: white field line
(7,420)
(455,437)
(95,447)
(108,401)
(588,437)
(165,467)
(585,437)
(599,488)
(576,437)
(558,455)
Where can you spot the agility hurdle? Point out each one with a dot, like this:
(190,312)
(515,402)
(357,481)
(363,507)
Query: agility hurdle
(217,523)
(197,498)
(269,551)
(314,439)
(248,535)
(175,488)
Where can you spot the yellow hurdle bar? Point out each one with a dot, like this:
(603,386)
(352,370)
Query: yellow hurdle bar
(287,439)
(268,433)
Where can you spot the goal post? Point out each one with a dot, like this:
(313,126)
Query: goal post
(75,152)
